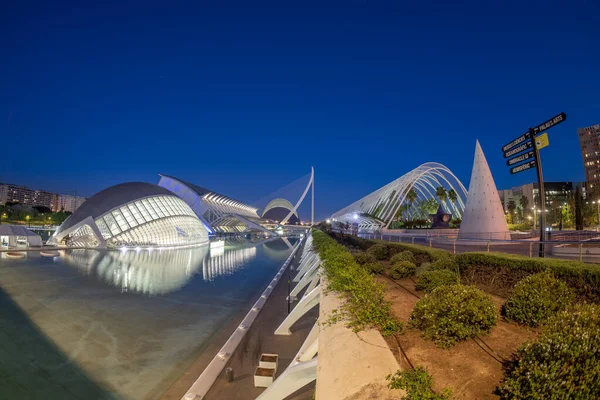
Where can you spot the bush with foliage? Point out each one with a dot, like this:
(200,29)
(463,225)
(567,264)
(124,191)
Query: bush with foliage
(374,267)
(452,313)
(430,280)
(563,363)
(448,263)
(520,227)
(405,255)
(364,305)
(418,385)
(364,258)
(402,269)
(501,272)
(379,251)
(537,298)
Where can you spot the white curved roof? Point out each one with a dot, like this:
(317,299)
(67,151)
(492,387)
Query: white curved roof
(113,197)
(283,203)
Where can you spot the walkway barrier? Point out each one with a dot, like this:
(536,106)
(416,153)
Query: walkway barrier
(202,385)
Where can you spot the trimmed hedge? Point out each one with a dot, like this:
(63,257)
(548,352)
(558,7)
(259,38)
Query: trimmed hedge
(402,269)
(430,280)
(422,253)
(452,313)
(537,298)
(365,306)
(405,255)
(379,251)
(501,272)
(564,363)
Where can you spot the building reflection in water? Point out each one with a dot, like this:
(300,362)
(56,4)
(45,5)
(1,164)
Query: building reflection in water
(158,272)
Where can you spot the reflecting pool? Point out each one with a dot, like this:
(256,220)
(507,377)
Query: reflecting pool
(121,324)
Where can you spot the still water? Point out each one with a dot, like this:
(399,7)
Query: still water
(121,325)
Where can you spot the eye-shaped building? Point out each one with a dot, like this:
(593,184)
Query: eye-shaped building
(133,214)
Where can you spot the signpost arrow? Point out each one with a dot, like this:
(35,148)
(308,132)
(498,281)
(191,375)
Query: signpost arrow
(518,149)
(521,157)
(517,141)
(550,123)
(523,167)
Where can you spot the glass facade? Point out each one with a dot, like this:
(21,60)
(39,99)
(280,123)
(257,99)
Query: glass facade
(151,221)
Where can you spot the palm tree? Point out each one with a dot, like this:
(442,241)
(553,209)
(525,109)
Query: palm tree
(441,194)
(452,196)
(411,196)
(511,206)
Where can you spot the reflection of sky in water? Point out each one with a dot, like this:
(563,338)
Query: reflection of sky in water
(134,321)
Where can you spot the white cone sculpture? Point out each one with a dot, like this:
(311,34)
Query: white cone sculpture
(484,216)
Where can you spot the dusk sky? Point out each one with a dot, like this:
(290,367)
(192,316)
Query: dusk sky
(243,97)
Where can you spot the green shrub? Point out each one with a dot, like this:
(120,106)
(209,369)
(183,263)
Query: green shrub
(537,298)
(418,385)
(379,251)
(364,305)
(564,363)
(375,267)
(452,313)
(501,272)
(402,269)
(405,255)
(430,280)
(448,263)
(364,258)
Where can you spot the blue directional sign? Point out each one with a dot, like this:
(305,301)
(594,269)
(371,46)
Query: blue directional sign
(523,167)
(520,158)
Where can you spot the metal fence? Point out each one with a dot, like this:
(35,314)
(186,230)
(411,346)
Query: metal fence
(573,250)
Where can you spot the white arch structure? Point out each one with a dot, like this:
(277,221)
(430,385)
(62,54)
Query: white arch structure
(279,202)
(380,207)
(311,182)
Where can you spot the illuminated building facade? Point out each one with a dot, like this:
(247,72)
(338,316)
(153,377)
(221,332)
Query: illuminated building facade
(132,214)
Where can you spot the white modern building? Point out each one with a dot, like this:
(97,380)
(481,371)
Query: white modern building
(134,214)
(378,209)
(14,236)
(219,213)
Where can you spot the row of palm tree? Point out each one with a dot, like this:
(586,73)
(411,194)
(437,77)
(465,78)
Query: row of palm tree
(440,192)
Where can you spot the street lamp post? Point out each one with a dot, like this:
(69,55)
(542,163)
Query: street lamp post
(28,223)
(534,218)
(597,202)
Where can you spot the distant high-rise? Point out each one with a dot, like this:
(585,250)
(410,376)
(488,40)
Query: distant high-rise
(66,202)
(589,140)
(10,193)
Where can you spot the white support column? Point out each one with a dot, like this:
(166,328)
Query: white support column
(301,371)
(306,304)
(306,279)
(310,347)
(313,283)
(293,378)
(306,268)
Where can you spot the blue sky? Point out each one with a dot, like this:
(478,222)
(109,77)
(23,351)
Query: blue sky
(244,97)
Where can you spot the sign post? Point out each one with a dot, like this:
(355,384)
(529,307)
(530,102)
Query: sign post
(540,178)
(531,159)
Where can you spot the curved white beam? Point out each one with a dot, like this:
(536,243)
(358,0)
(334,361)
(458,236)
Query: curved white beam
(293,211)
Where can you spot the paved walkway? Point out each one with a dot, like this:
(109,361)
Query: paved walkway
(259,339)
